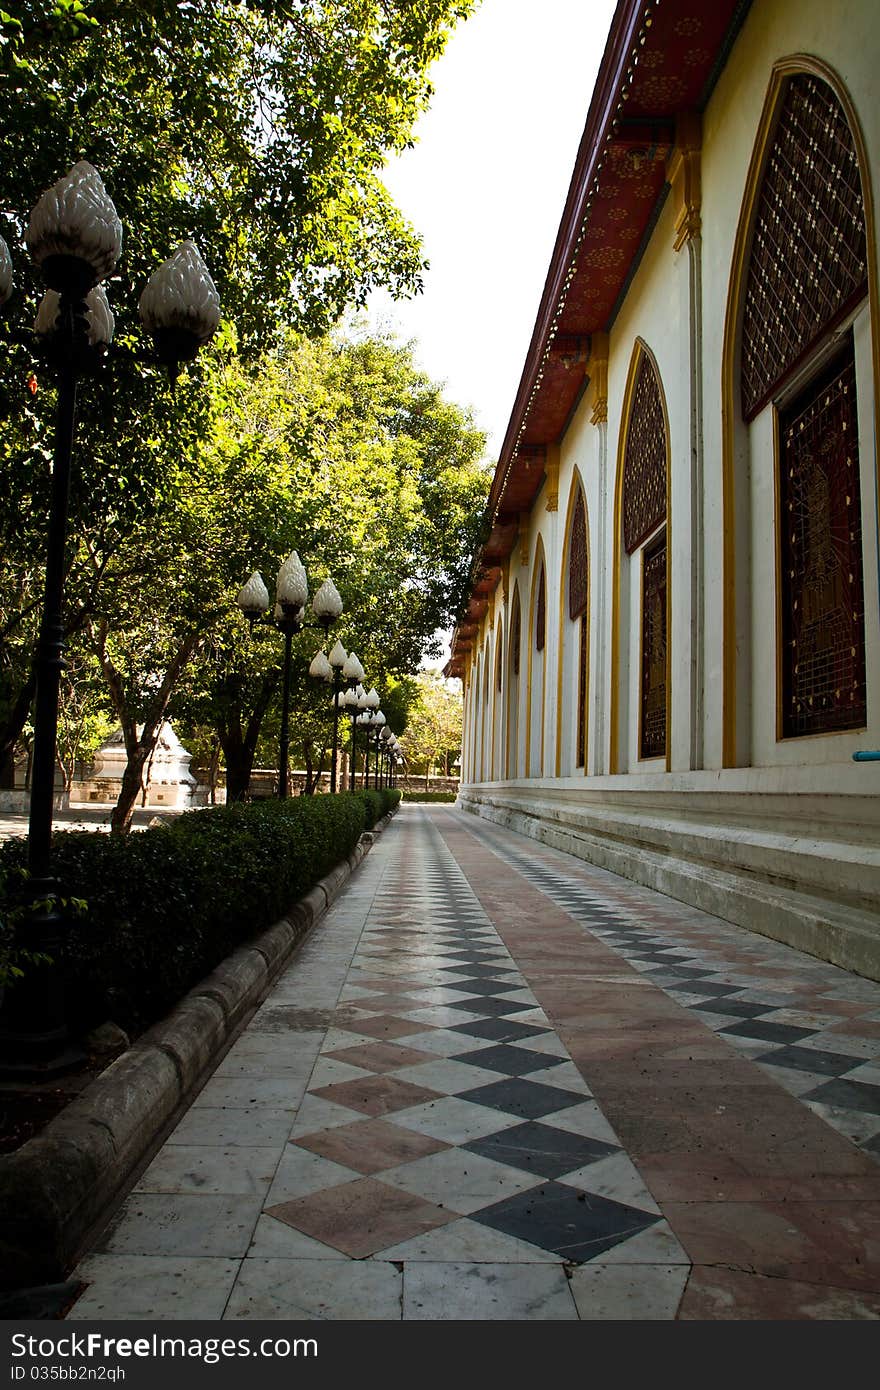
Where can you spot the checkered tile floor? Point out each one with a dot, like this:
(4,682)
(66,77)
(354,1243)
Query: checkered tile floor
(812,1027)
(402,1130)
(451,1112)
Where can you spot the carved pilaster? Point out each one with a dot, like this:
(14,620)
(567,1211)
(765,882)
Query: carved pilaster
(524,519)
(598,371)
(683,173)
(551,468)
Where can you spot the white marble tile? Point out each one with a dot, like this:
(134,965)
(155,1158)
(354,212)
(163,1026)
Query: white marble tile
(545,1043)
(586,1119)
(274,1239)
(301,1172)
(316,1113)
(211,1168)
(856,1125)
(655,1245)
(845,1044)
(160,1288)
(172,1223)
(447,1076)
(625,1293)
(615,1177)
(218,1127)
(563,1074)
(795,1082)
(453,1120)
(483,1292)
(469,1242)
(287,1048)
(458,1180)
(438,1016)
(316,1290)
(257,1093)
(443,1041)
(329,1070)
(868,1073)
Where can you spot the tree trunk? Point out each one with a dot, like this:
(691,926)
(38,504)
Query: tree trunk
(240,747)
(132,780)
(239,766)
(11,730)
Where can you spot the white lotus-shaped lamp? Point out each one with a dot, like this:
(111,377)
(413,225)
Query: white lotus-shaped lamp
(74,233)
(180,307)
(338,657)
(253,597)
(320,667)
(327,603)
(292,584)
(352,669)
(98,318)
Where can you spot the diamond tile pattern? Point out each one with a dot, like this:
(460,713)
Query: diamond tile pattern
(748,989)
(439,1125)
(440,958)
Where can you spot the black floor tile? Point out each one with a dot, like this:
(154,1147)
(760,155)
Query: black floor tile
(847,1095)
(488,1006)
(509,1059)
(518,1096)
(769,1032)
(541,1149)
(709,991)
(479,972)
(489,986)
(810,1059)
(500,1030)
(576,1226)
(732,1008)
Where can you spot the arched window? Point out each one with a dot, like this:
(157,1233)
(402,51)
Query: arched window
(541,612)
(807,272)
(578,600)
(644,530)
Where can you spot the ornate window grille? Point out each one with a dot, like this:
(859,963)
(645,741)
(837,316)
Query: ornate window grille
(515,635)
(541,613)
(808,263)
(652,721)
(822,594)
(499,665)
(644,464)
(578,572)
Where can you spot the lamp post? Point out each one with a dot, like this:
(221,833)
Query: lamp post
(291,597)
(75,237)
(352,699)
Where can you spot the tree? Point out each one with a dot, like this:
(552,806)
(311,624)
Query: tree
(258,127)
(342,449)
(434,729)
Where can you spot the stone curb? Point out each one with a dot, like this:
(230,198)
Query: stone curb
(57,1190)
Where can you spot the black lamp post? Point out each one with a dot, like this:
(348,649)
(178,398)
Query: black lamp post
(339,667)
(291,597)
(75,237)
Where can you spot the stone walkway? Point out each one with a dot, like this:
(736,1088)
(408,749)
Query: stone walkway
(499,1084)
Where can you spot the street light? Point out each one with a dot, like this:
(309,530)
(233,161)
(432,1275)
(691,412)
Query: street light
(75,238)
(291,597)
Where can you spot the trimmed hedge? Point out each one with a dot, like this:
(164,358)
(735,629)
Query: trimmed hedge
(165,905)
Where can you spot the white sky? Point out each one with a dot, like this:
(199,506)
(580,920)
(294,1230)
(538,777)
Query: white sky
(485,187)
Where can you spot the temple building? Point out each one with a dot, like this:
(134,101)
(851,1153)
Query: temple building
(670,649)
